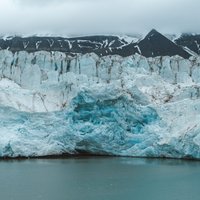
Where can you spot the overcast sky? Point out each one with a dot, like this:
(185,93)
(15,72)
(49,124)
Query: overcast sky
(86,17)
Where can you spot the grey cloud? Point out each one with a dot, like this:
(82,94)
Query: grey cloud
(80,17)
(37,2)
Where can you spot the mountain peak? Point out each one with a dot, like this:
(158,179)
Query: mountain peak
(154,33)
(156,44)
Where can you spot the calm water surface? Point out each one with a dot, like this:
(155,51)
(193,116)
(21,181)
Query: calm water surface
(99,179)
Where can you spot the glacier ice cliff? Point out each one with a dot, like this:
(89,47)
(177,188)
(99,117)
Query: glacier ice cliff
(52,104)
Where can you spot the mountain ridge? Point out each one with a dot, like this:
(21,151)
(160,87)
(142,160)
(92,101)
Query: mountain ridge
(152,45)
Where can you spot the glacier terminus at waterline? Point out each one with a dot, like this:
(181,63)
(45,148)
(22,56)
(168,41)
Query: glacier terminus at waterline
(54,103)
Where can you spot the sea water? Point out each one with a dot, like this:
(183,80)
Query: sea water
(99,178)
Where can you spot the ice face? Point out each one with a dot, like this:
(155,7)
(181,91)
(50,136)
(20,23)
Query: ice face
(111,125)
(53,104)
(103,123)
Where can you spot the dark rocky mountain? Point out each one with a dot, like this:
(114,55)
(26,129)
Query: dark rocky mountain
(154,44)
(101,45)
(192,42)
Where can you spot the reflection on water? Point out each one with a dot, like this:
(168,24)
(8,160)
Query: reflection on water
(100,178)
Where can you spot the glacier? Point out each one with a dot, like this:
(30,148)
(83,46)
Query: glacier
(53,104)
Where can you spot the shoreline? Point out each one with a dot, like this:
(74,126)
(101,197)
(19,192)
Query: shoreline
(89,155)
